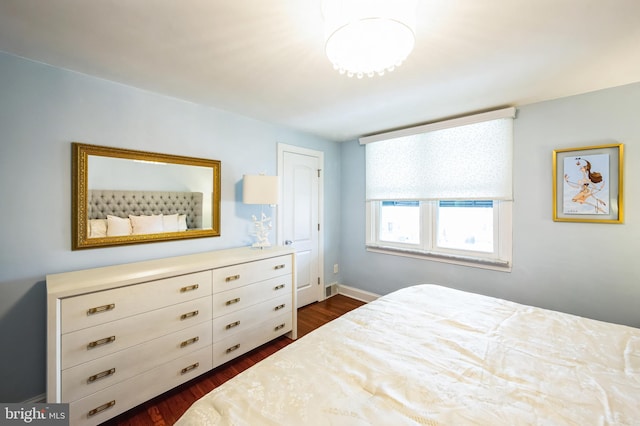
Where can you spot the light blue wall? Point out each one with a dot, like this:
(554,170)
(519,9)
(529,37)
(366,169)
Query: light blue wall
(42,110)
(587,269)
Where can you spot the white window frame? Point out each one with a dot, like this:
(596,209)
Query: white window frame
(500,259)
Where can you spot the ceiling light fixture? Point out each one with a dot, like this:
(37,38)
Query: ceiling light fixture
(368,37)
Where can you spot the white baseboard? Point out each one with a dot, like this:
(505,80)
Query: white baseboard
(38,399)
(356,293)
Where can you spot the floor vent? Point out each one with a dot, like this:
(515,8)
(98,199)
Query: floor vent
(331,290)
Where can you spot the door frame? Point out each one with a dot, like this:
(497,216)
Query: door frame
(282,148)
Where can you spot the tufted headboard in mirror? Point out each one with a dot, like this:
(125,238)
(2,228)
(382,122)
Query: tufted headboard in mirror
(145,203)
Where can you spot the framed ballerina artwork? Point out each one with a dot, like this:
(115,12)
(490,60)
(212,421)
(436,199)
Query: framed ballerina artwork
(587,184)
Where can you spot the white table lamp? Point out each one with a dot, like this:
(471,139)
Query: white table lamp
(260,189)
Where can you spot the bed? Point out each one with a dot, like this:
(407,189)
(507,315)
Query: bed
(431,355)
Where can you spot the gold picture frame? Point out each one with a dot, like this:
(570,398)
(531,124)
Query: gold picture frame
(588,184)
(81,154)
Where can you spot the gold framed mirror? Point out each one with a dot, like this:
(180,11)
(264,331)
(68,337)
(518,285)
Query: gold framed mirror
(123,196)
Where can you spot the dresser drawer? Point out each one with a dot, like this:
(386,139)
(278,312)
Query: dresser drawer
(246,273)
(244,319)
(96,308)
(242,297)
(238,344)
(95,342)
(101,406)
(93,376)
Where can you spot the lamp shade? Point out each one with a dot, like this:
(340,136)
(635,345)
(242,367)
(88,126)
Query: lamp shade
(260,189)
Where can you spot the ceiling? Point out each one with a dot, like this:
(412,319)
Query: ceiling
(265,59)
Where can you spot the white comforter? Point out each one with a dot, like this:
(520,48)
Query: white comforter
(429,355)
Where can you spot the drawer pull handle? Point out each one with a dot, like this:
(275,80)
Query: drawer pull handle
(101,375)
(101,342)
(278,327)
(189,341)
(101,408)
(189,368)
(103,308)
(232,301)
(232,278)
(282,266)
(279,287)
(233,324)
(277,308)
(189,288)
(233,348)
(188,315)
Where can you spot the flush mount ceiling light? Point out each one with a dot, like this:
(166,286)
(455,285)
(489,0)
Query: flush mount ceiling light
(368,37)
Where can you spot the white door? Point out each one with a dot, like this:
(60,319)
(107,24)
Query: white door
(300,171)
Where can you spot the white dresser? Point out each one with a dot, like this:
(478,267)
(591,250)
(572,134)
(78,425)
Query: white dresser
(120,335)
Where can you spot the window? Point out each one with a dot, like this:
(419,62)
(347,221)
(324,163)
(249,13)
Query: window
(465,225)
(400,222)
(475,232)
(443,191)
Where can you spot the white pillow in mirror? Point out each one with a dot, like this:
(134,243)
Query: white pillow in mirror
(146,224)
(118,226)
(170,222)
(182,222)
(97,228)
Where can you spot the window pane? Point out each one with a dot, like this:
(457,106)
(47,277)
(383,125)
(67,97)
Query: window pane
(400,222)
(465,225)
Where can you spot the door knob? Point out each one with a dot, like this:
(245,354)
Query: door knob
(288,242)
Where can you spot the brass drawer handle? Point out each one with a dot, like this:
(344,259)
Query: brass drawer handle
(278,327)
(232,278)
(279,266)
(189,288)
(188,315)
(103,308)
(232,301)
(100,342)
(233,324)
(101,375)
(277,308)
(279,287)
(101,408)
(189,368)
(233,348)
(189,341)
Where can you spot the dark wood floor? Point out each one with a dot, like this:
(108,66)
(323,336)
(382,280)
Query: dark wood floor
(167,408)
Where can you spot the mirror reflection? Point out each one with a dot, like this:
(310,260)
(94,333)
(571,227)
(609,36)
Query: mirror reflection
(125,196)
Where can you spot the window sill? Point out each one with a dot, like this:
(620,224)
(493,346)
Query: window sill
(474,262)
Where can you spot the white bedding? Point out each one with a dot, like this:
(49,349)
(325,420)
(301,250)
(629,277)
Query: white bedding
(430,355)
